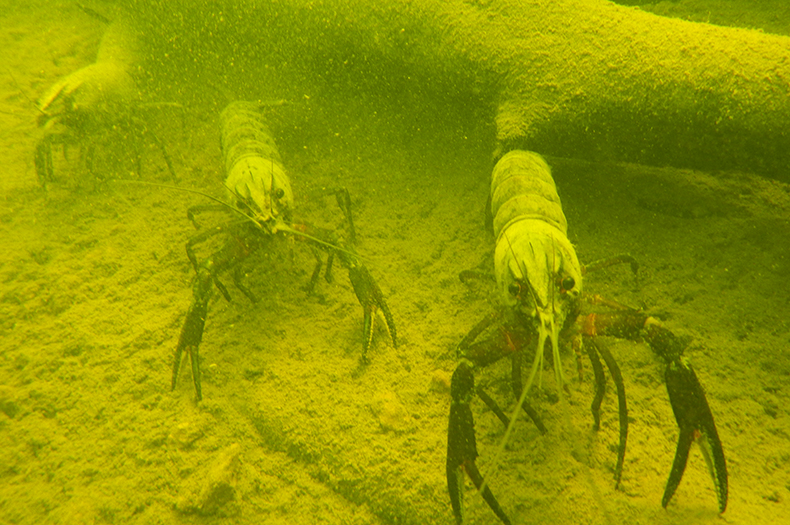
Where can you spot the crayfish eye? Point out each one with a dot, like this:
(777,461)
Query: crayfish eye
(279,193)
(514,289)
(568,283)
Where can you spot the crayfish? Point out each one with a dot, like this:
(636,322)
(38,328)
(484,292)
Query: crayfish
(539,279)
(98,105)
(255,177)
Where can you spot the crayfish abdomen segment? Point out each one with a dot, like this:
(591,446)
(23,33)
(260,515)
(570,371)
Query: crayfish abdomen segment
(521,188)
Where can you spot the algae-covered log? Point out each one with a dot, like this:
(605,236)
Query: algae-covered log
(582,78)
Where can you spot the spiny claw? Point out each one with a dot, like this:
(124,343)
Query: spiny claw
(192,331)
(462,446)
(696,424)
(371,298)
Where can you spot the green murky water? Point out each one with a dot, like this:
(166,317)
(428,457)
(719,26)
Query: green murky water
(95,284)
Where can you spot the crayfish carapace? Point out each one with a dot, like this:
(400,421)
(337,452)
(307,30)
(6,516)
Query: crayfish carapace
(540,283)
(256,179)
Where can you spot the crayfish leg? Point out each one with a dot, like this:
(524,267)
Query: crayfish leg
(600,384)
(614,369)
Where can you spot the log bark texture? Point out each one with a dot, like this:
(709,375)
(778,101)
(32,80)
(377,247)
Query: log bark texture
(578,78)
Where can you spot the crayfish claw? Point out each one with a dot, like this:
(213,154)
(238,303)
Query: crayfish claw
(696,423)
(189,341)
(462,446)
(192,331)
(372,299)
